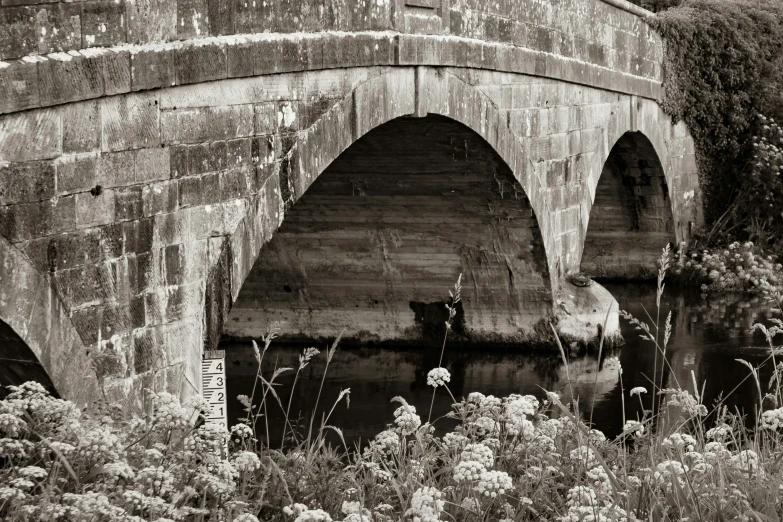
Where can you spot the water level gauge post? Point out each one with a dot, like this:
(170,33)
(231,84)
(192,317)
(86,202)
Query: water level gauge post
(213,386)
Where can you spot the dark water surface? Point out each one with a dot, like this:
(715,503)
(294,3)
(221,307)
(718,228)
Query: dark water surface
(707,338)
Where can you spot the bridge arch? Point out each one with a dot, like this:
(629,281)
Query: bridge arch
(400,101)
(631,217)
(37,339)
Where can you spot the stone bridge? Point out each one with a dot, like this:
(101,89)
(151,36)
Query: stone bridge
(176,170)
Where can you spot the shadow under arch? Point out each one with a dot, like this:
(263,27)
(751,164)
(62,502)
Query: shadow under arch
(394,94)
(631,218)
(378,239)
(18,363)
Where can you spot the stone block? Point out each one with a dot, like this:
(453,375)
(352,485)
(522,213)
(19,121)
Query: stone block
(221,17)
(66,77)
(18,86)
(128,203)
(152,164)
(81,127)
(112,241)
(198,125)
(291,55)
(179,160)
(147,350)
(190,193)
(201,160)
(138,235)
(26,182)
(265,118)
(172,262)
(192,19)
(151,20)
(94,210)
(19,37)
(233,184)
(30,136)
(210,187)
(64,251)
(116,169)
(115,65)
(102,23)
(160,198)
(33,220)
(139,273)
(76,173)
(59,27)
(238,152)
(152,69)
(185,301)
(201,63)
(129,122)
(240,61)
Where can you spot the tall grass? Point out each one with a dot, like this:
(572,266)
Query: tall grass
(515,458)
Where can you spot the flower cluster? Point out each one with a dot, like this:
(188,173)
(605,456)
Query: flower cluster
(74,465)
(426,505)
(738,268)
(438,377)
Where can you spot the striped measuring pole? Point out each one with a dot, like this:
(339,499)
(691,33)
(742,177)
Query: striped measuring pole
(213,385)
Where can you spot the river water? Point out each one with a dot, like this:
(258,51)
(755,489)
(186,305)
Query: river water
(707,338)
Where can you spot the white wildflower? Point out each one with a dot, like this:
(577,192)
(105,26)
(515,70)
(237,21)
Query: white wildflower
(478,453)
(438,377)
(494,483)
(468,471)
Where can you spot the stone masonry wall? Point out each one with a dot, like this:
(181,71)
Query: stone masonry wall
(55,53)
(146,211)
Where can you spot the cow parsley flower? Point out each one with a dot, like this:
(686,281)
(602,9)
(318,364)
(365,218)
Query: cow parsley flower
(719,433)
(584,455)
(667,470)
(468,471)
(639,390)
(494,483)
(33,472)
(455,441)
(634,428)
(11,425)
(246,461)
(772,419)
(426,505)
(355,513)
(478,453)
(406,419)
(438,377)
(746,460)
(680,441)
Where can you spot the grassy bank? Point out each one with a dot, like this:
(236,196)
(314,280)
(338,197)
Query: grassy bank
(509,459)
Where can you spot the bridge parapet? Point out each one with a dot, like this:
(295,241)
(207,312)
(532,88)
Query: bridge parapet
(53,54)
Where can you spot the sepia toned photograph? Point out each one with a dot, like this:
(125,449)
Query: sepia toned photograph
(391,260)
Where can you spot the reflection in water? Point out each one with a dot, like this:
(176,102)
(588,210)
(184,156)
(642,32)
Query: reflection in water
(706,340)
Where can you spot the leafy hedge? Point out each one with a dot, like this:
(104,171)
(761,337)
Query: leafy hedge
(723,68)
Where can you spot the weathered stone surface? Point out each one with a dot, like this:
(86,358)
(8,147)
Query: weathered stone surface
(18,86)
(149,209)
(129,122)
